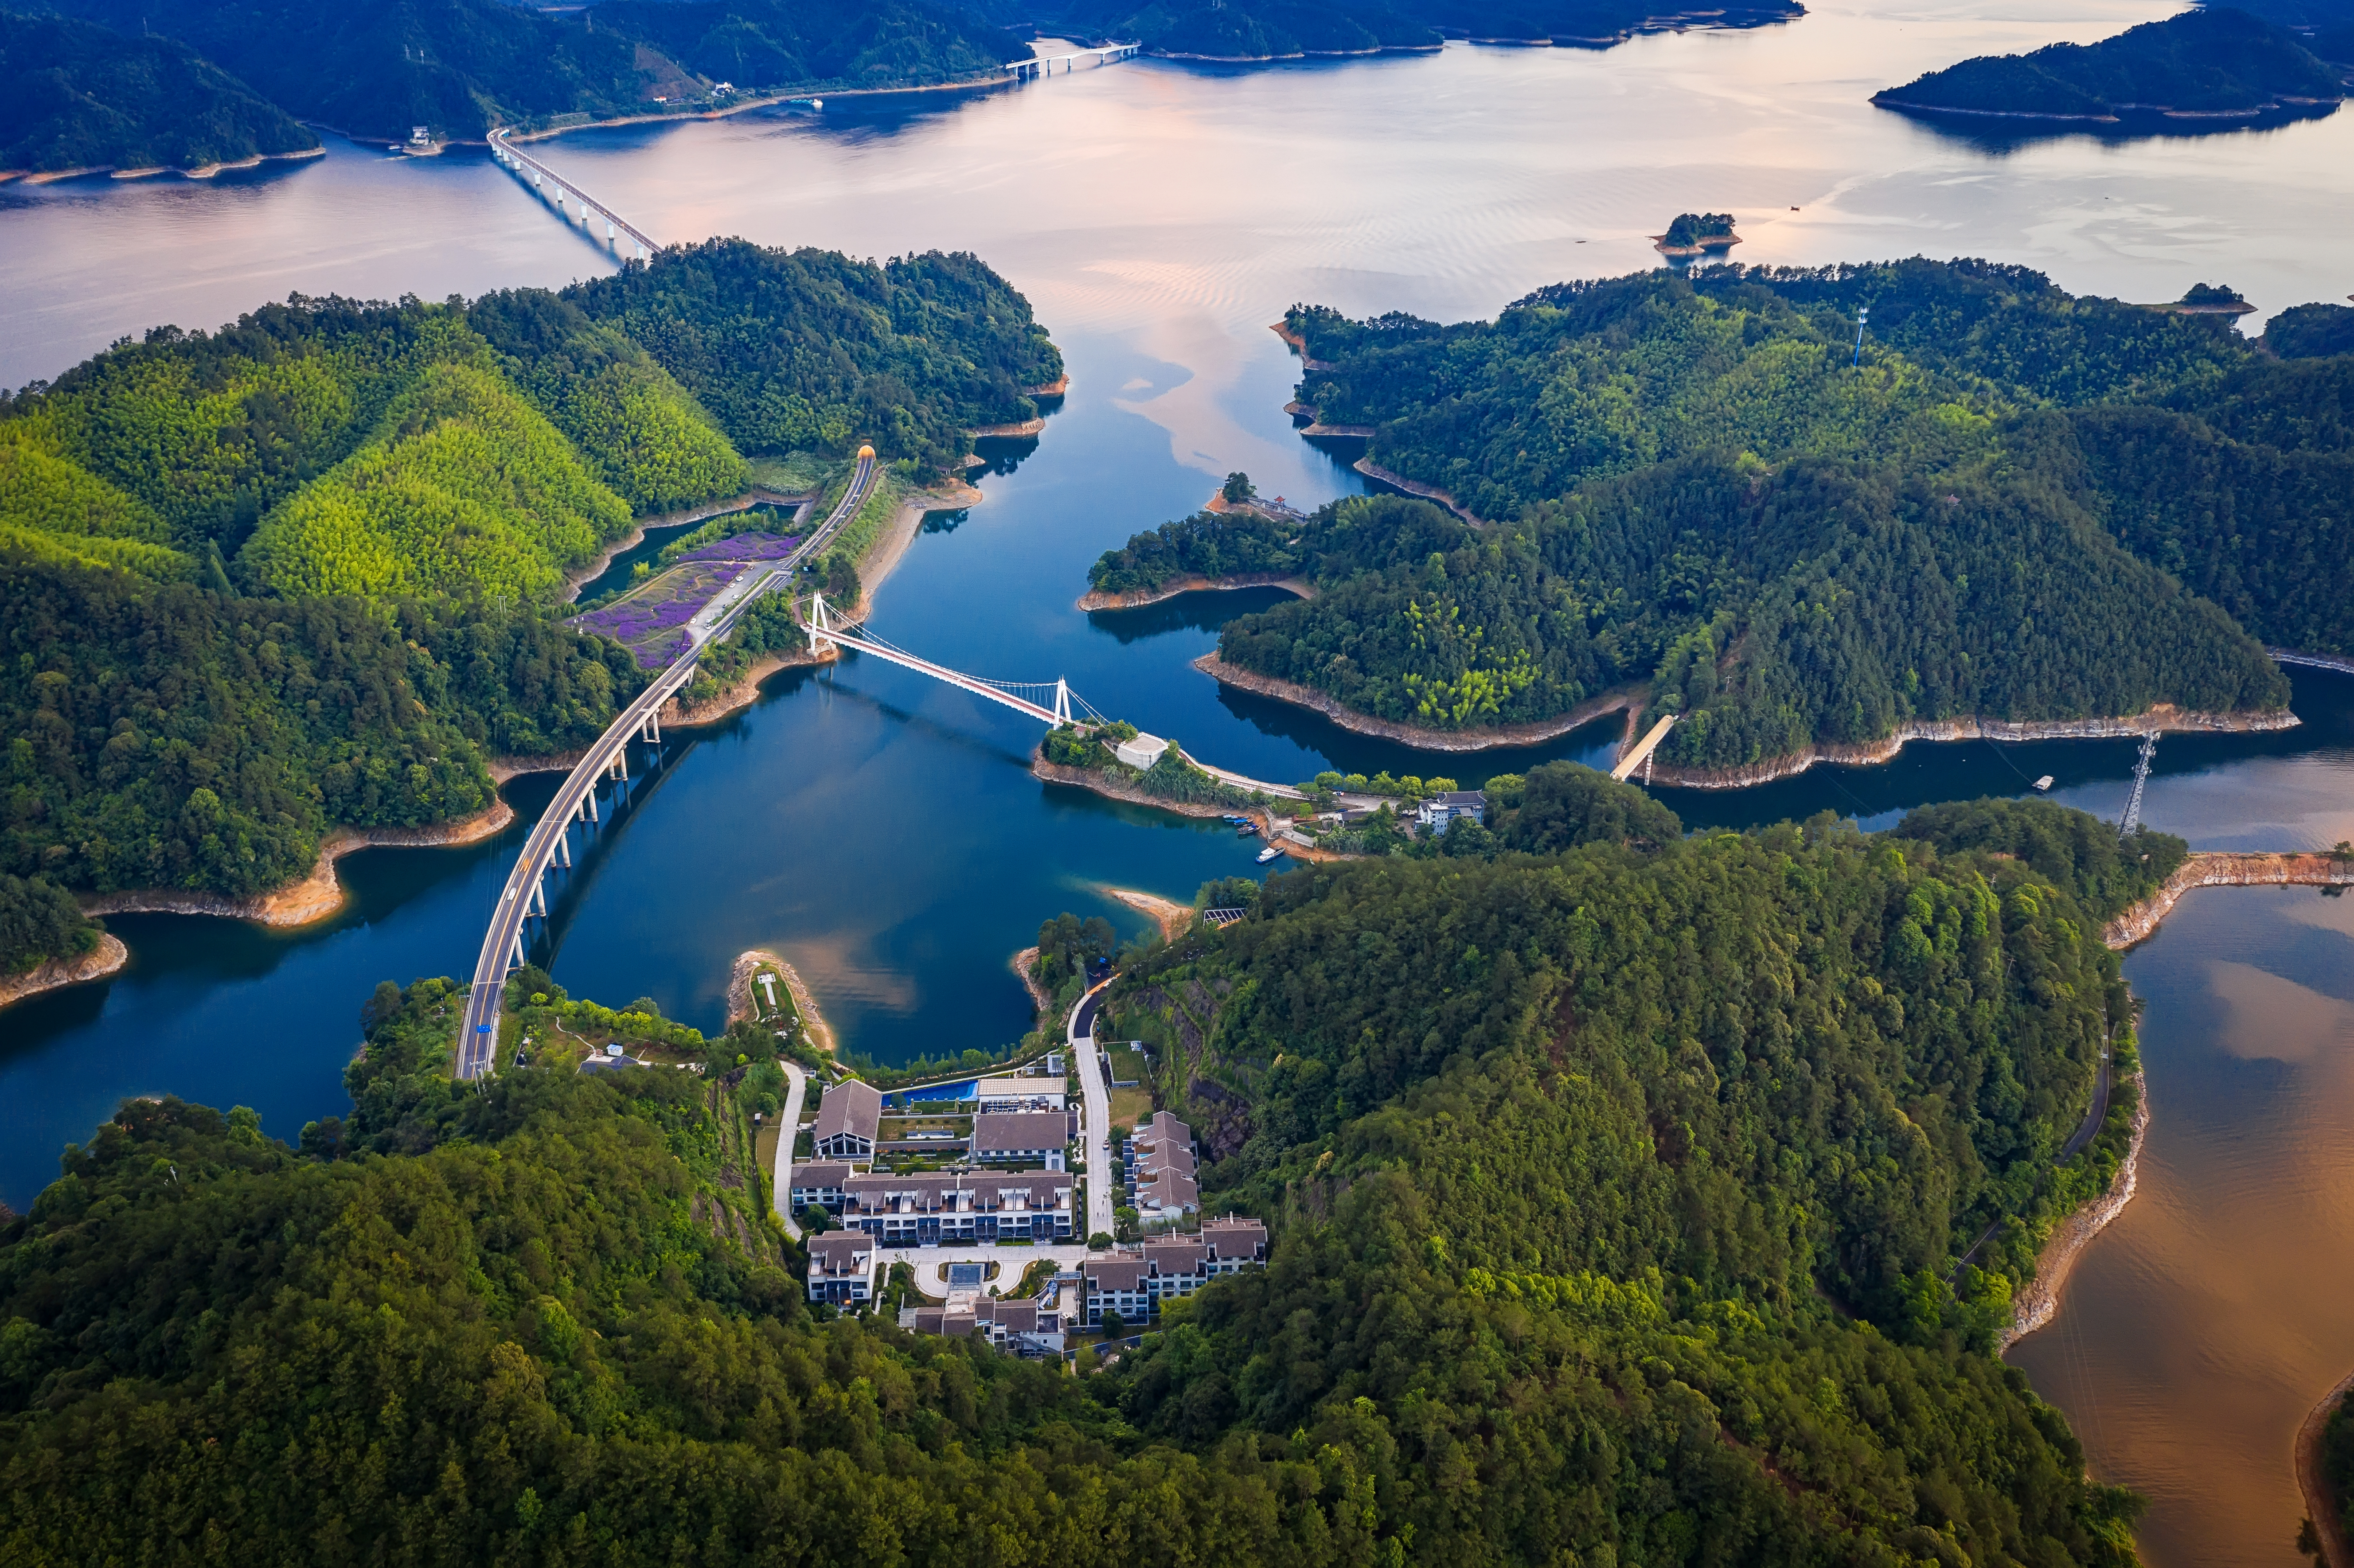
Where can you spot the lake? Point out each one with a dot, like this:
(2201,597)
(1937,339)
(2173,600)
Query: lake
(883,831)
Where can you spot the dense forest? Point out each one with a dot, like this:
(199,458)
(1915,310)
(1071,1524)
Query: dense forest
(1588,1249)
(808,349)
(2019,504)
(2210,61)
(164,735)
(460,66)
(79,96)
(1276,29)
(304,571)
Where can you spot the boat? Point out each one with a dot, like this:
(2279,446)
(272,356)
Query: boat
(1246,830)
(2044,782)
(1272,852)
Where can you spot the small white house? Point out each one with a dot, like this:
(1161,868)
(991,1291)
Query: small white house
(1142,752)
(1440,811)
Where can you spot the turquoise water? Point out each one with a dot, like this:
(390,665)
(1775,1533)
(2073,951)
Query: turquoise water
(883,831)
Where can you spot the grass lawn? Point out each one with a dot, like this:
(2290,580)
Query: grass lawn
(1127,1065)
(1130,1107)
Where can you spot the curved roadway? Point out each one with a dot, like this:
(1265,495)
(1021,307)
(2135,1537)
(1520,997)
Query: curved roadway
(479,1035)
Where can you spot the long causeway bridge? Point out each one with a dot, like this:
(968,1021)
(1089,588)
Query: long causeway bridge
(546,182)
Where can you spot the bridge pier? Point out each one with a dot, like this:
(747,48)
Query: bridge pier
(589,804)
(518,960)
(563,845)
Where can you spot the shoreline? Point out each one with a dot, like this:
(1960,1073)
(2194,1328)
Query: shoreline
(315,897)
(2225,868)
(1170,916)
(1414,487)
(2320,1504)
(1422,739)
(2057,1257)
(739,995)
(1079,778)
(107,958)
(2163,717)
(1042,1005)
(783,98)
(1137,599)
(113,171)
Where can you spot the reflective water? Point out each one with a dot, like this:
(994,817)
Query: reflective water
(882,831)
(2200,1328)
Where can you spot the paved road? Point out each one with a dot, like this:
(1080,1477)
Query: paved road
(788,1124)
(479,1034)
(1078,1041)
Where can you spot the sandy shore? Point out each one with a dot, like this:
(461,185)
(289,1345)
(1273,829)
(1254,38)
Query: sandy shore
(2320,1502)
(317,895)
(2069,1238)
(739,994)
(1171,917)
(202,171)
(107,956)
(1417,735)
(1137,598)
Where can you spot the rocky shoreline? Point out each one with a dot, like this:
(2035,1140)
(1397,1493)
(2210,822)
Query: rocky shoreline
(1136,598)
(317,895)
(2165,717)
(2069,1238)
(2225,868)
(106,958)
(1056,773)
(202,171)
(1414,487)
(1417,735)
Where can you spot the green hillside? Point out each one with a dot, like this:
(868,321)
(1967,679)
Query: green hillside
(464,486)
(1690,484)
(401,490)
(809,350)
(1263,30)
(1583,1253)
(2210,61)
(80,97)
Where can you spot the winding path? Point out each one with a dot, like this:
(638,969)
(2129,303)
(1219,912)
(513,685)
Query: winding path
(789,1122)
(1079,1040)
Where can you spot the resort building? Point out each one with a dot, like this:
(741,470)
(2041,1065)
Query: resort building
(848,1120)
(842,1268)
(1161,1155)
(960,1207)
(822,1181)
(1025,1137)
(1437,813)
(1135,1282)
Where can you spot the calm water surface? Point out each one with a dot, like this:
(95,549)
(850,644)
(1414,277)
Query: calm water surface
(883,831)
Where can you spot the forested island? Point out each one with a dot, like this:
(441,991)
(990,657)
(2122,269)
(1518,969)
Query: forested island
(75,96)
(1581,1254)
(304,572)
(460,66)
(2218,64)
(1290,29)
(2021,506)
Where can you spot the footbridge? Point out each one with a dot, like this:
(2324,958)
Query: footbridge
(549,849)
(546,182)
(1048,702)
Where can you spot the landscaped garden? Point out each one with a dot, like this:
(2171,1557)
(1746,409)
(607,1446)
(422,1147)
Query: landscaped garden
(650,621)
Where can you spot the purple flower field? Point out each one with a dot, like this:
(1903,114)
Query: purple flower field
(640,620)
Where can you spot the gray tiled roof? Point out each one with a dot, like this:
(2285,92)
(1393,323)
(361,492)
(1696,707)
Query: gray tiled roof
(851,1107)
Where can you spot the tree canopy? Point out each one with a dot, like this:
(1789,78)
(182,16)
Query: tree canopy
(1613,1195)
(2020,506)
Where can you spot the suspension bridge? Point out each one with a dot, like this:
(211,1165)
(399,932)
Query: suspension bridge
(546,182)
(549,846)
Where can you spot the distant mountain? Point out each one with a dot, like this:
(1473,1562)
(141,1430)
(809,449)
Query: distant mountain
(460,67)
(2217,62)
(1274,29)
(74,96)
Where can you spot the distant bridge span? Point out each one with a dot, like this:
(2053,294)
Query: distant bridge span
(542,178)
